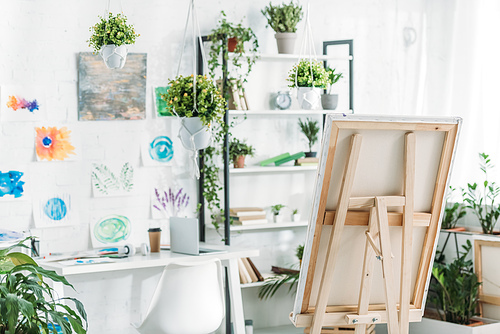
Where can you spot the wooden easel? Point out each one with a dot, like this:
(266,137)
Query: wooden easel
(372,211)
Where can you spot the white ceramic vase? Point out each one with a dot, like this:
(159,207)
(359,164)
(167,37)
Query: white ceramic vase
(114,56)
(278,218)
(309,97)
(194,135)
(286,42)
(296,217)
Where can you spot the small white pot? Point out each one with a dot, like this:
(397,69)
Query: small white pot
(278,218)
(309,97)
(296,217)
(329,101)
(286,42)
(194,135)
(114,56)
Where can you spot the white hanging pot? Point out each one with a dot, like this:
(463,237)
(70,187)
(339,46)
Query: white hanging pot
(309,97)
(194,135)
(114,56)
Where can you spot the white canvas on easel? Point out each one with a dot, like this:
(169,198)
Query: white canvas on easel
(375,174)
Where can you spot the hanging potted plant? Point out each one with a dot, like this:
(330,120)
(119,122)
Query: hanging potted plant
(329,101)
(283,20)
(198,103)
(310,77)
(110,38)
(237,152)
(310,129)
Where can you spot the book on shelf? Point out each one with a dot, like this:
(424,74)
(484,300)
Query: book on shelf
(244,275)
(274,159)
(245,212)
(292,157)
(307,160)
(257,272)
(250,222)
(249,269)
(306,164)
(252,217)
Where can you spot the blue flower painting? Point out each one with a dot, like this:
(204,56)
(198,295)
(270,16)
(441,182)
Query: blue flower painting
(55,208)
(11,184)
(161,149)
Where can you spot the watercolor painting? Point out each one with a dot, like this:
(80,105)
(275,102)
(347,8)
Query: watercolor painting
(19,103)
(169,203)
(105,182)
(160,104)
(54,210)
(54,144)
(11,184)
(157,151)
(110,229)
(105,95)
(7,236)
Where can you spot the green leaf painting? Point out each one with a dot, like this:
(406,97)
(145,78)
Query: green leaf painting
(105,182)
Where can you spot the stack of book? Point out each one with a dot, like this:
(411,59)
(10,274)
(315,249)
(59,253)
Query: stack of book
(282,159)
(248,271)
(248,216)
(307,162)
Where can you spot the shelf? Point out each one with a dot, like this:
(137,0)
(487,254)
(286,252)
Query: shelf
(287,329)
(271,169)
(268,226)
(287,112)
(294,57)
(257,284)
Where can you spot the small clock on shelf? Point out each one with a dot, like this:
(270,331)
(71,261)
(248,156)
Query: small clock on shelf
(283,100)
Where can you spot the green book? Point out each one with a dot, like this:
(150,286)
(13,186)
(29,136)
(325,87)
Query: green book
(290,158)
(274,159)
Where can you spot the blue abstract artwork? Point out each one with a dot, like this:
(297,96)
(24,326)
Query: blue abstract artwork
(11,184)
(161,149)
(10,236)
(55,208)
(111,229)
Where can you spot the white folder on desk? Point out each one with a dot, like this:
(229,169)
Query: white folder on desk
(185,239)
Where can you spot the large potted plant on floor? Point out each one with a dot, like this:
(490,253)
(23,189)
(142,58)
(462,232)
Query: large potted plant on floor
(283,19)
(238,150)
(309,77)
(110,37)
(310,129)
(329,100)
(27,302)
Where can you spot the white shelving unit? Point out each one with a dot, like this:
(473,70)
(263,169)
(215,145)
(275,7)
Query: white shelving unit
(278,112)
(238,228)
(295,57)
(271,169)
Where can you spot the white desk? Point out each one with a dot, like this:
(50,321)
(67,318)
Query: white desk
(158,260)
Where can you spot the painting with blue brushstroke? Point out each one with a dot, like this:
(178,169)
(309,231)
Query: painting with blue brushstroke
(158,149)
(11,184)
(111,228)
(8,236)
(54,210)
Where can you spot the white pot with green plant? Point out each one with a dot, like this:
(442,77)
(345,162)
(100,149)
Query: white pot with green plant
(283,19)
(310,129)
(295,215)
(110,38)
(238,150)
(276,209)
(310,78)
(329,101)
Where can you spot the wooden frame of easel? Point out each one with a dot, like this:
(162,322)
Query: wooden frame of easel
(332,232)
(484,298)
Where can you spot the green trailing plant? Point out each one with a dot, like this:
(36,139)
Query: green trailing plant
(452,211)
(238,148)
(27,303)
(481,199)
(111,30)
(454,289)
(181,96)
(283,18)
(333,78)
(276,209)
(308,73)
(310,129)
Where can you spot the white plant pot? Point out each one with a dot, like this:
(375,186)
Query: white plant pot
(278,218)
(428,326)
(286,42)
(114,56)
(194,135)
(309,97)
(329,101)
(296,217)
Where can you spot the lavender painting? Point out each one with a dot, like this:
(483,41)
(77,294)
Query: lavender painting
(169,203)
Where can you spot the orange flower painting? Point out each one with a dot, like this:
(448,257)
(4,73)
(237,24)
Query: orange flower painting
(53,143)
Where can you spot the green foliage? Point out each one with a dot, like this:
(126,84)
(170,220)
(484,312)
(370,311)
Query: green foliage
(310,129)
(27,303)
(283,18)
(299,252)
(104,179)
(454,289)
(180,97)
(113,30)
(308,73)
(332,78)
(127,176)
(481,200)
(295,211)
(452,212)
(275,209)
(238,148)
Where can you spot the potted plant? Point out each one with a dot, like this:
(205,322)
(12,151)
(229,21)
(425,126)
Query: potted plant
(27,300)
(295,215)
(199,104)
(329,101)
(481,200)
(276,210)
(310,129)
(110,38)
(237,152)
(310,77)
(283,19)
(452,212)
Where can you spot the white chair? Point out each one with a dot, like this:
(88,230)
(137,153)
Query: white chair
(189,299)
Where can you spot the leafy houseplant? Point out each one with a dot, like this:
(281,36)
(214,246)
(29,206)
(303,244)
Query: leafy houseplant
(27,301)
(309,76)
(329,101)
(295,215)
(310,129)
(276,209)
(237,152)
(283,20)
(482,201)
(110,37)
(452,213)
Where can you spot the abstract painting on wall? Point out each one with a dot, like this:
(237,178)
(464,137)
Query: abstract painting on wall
(54,144)
(54,210)
(11,185)
(108,181)
(22,103)
(105,95)
(8,236)
(160,104)
(157,150)
(110,229)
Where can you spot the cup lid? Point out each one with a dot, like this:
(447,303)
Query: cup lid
(154,229)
